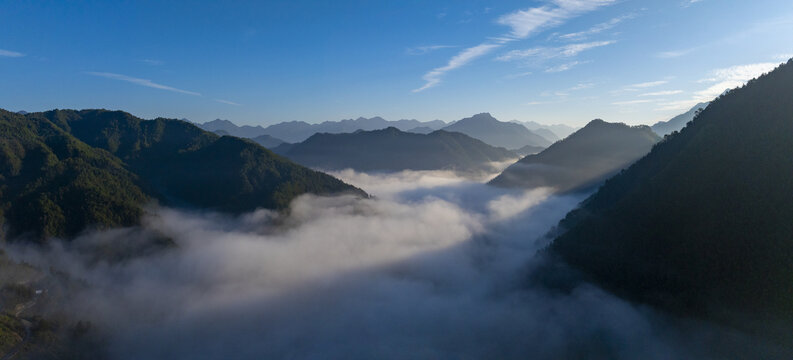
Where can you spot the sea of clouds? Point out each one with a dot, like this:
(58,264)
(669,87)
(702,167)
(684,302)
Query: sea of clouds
(433,266)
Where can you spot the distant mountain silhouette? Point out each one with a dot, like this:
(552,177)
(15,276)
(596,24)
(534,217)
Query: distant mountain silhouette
(528,150)
(393,150)
(702,225)
(62,171)
(583,159)
(229,128)
(560,130)
(297,131)
(547,134)
(268,141)
(421,130)
(497,133)
(678,122)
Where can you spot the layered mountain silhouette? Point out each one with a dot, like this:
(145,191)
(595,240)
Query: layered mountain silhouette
(560,130)
(62,171)
(678,122)
(702,224)
(226,127)
(297,131)
(421,130)
(392,150)
(267,141)
(582,160)
(497,133)
(547,134)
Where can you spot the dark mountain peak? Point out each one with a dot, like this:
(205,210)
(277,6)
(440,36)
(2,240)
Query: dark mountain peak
(596,122)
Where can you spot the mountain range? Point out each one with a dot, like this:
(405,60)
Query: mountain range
(391,149)
(63,171)
(678,122)
(702,224)
(297,131)
(583,159)
(561,131)
(497,133)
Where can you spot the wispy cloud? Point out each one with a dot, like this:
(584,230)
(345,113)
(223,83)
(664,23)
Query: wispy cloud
(632,102)
(644,85)
(720,80)
(663,93)
(564,67)
(141,82)
(152,62)
(433,77)
(529,21)
(674,53)
(9,53)
(596,29)
(518,75)
(582,86)
(732,77)
(687,3)
(522,24)
(420,50)
(550,53)
(226,102)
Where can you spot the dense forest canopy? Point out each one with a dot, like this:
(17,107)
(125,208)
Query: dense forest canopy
(702,224)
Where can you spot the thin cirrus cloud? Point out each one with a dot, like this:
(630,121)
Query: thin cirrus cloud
(596,29)
(632,102)
(522,24)
(152,62)
(730,78)
(433,77)
(9,53)
(673,53)
(663,93)
(420,50)
(141,82)
(550,53)
(564,67)
(645,85)
(227,102)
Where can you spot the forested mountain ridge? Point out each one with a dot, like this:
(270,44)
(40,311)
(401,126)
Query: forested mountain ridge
(65,170)
(582,160)
(702,224)
(394,150)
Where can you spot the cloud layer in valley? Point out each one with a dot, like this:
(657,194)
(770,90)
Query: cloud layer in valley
(433,267)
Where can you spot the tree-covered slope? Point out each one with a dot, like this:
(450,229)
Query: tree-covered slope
(583,159)
(702,224)
(52,184)
(64,170)
(393,150)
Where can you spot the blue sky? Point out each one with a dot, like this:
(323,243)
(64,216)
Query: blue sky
(262,62)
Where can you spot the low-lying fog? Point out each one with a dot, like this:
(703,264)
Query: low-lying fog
(433,267)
